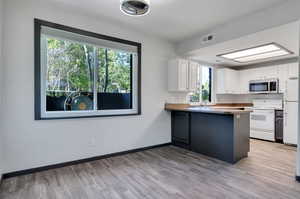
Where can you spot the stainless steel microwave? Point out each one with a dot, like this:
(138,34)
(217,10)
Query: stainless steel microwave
(264,86)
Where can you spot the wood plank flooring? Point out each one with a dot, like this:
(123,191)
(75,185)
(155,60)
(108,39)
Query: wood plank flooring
(166,173)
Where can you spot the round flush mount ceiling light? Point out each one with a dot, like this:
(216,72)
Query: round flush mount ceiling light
(135,7)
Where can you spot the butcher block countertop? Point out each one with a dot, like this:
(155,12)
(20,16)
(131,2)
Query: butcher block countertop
(213,109)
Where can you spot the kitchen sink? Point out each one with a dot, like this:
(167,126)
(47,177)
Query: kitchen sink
(216,107)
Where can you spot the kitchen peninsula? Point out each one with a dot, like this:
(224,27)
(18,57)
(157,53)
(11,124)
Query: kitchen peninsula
(219,132)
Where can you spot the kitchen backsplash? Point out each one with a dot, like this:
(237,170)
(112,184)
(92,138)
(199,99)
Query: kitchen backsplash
(178,98)
(245,98)
(183,98)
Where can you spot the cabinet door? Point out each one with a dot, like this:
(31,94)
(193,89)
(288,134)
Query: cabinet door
(193,75)
(231,81)
(256,73)
(292,86)
(283,71)
(270,72)
(227,81)
(293,70)
(290,135)
(183,75)
(180,127)
(221,81)
(244,81)
(234,86)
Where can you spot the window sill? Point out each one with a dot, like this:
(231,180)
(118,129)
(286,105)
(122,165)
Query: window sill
(87,116)
(201,104)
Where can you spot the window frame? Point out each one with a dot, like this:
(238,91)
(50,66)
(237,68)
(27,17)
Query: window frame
(210,84)
(39,113)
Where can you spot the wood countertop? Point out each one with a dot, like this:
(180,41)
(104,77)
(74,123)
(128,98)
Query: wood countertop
(213,109)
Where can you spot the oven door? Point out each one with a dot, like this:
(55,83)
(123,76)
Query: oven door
(259,87)
(262,124)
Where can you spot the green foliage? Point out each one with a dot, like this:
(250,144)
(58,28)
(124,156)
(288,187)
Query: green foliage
(71,68)
(118,71)
(203,93)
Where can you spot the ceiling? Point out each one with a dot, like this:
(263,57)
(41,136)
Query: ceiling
(174,20)
(286,36)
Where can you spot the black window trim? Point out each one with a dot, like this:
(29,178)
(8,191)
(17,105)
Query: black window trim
(210,85)
(38,23)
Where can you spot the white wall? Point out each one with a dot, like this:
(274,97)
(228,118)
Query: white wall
(30,143)
(1,78)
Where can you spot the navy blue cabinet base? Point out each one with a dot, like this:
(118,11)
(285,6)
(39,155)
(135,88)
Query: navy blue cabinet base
(181,129)
(221,136)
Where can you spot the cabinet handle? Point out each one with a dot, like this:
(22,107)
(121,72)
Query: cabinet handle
(188,78)
(285,119)
(285,113)
(285,87)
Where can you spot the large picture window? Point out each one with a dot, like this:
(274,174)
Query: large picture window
(83,74)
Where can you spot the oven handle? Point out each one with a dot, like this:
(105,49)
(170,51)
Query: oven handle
(264,130)
(258,117)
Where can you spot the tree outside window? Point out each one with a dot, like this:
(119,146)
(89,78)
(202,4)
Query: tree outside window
(203,92)
(71,71)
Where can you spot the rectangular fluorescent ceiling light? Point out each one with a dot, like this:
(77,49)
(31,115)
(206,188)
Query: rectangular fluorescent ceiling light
(256,53)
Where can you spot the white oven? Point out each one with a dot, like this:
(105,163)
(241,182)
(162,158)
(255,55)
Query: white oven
(262,124)
(262,119)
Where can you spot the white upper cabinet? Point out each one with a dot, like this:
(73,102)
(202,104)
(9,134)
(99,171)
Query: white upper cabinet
(221,81)
(293,69)
(283,71)
(270,72)
(227,81)
(256,73)
(291,93)
(263,73)
(245,77)
(183,72)
(193,75)
(182,75)
(237,82)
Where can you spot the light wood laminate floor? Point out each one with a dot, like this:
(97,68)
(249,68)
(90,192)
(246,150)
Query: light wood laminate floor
(166,173)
